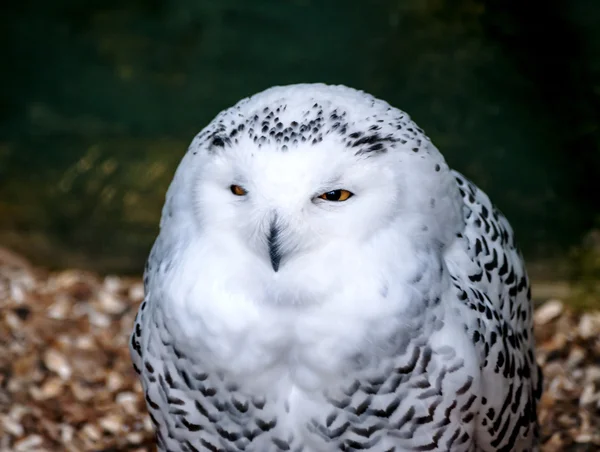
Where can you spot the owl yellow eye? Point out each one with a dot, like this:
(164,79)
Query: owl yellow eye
(336,195)
(237,190)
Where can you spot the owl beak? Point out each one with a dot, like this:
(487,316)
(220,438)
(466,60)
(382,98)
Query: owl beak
(274,249)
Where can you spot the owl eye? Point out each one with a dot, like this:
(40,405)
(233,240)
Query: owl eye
(237,190)
(336,195)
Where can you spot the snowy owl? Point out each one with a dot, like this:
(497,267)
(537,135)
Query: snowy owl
(322,281)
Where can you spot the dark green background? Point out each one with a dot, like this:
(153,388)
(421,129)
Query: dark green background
(100,100)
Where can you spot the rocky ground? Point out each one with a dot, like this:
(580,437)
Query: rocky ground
(66,381)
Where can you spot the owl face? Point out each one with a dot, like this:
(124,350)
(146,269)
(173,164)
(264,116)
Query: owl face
(309,173)
(284,205)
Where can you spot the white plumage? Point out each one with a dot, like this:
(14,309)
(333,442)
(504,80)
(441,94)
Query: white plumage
(280,315)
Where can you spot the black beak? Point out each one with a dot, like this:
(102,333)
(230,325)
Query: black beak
(272,241)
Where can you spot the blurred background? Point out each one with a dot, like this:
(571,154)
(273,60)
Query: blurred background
(100,100)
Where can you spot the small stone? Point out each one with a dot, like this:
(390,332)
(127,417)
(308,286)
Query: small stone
(51,388)
(28,443)
(60,308)
(18,411)
(588,395)
(98,319)
(57,363)
(136,292)
(114,381)
(112,283)
(112,423)
(13,321)
(67,432)
(110,303)
(135,438)
(589,326)
(92,432)
(85,342)
(81,393)
(584,438)
(11,426)
(548,312)
(129,402)
(576,357)
(592,374)
(17,293)
(148,426)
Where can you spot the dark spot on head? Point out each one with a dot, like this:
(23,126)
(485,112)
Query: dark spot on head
(371,140)
(219,141)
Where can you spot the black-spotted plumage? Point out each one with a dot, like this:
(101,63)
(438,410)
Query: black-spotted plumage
(425,345)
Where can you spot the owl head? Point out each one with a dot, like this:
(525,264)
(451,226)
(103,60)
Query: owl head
(308,170)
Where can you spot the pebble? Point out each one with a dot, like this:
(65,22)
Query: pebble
(110,303)
(29,443)
(548,312)
(56,362)
(60,308)
(112,423)
(12,426)
(51,388)
(589,326)
(112,284)
(136,292)
(92,432)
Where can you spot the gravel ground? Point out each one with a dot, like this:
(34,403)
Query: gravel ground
(66,381)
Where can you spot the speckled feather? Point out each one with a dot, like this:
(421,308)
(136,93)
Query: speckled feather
(411,331)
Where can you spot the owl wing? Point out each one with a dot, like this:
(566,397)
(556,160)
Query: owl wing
(490,279)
